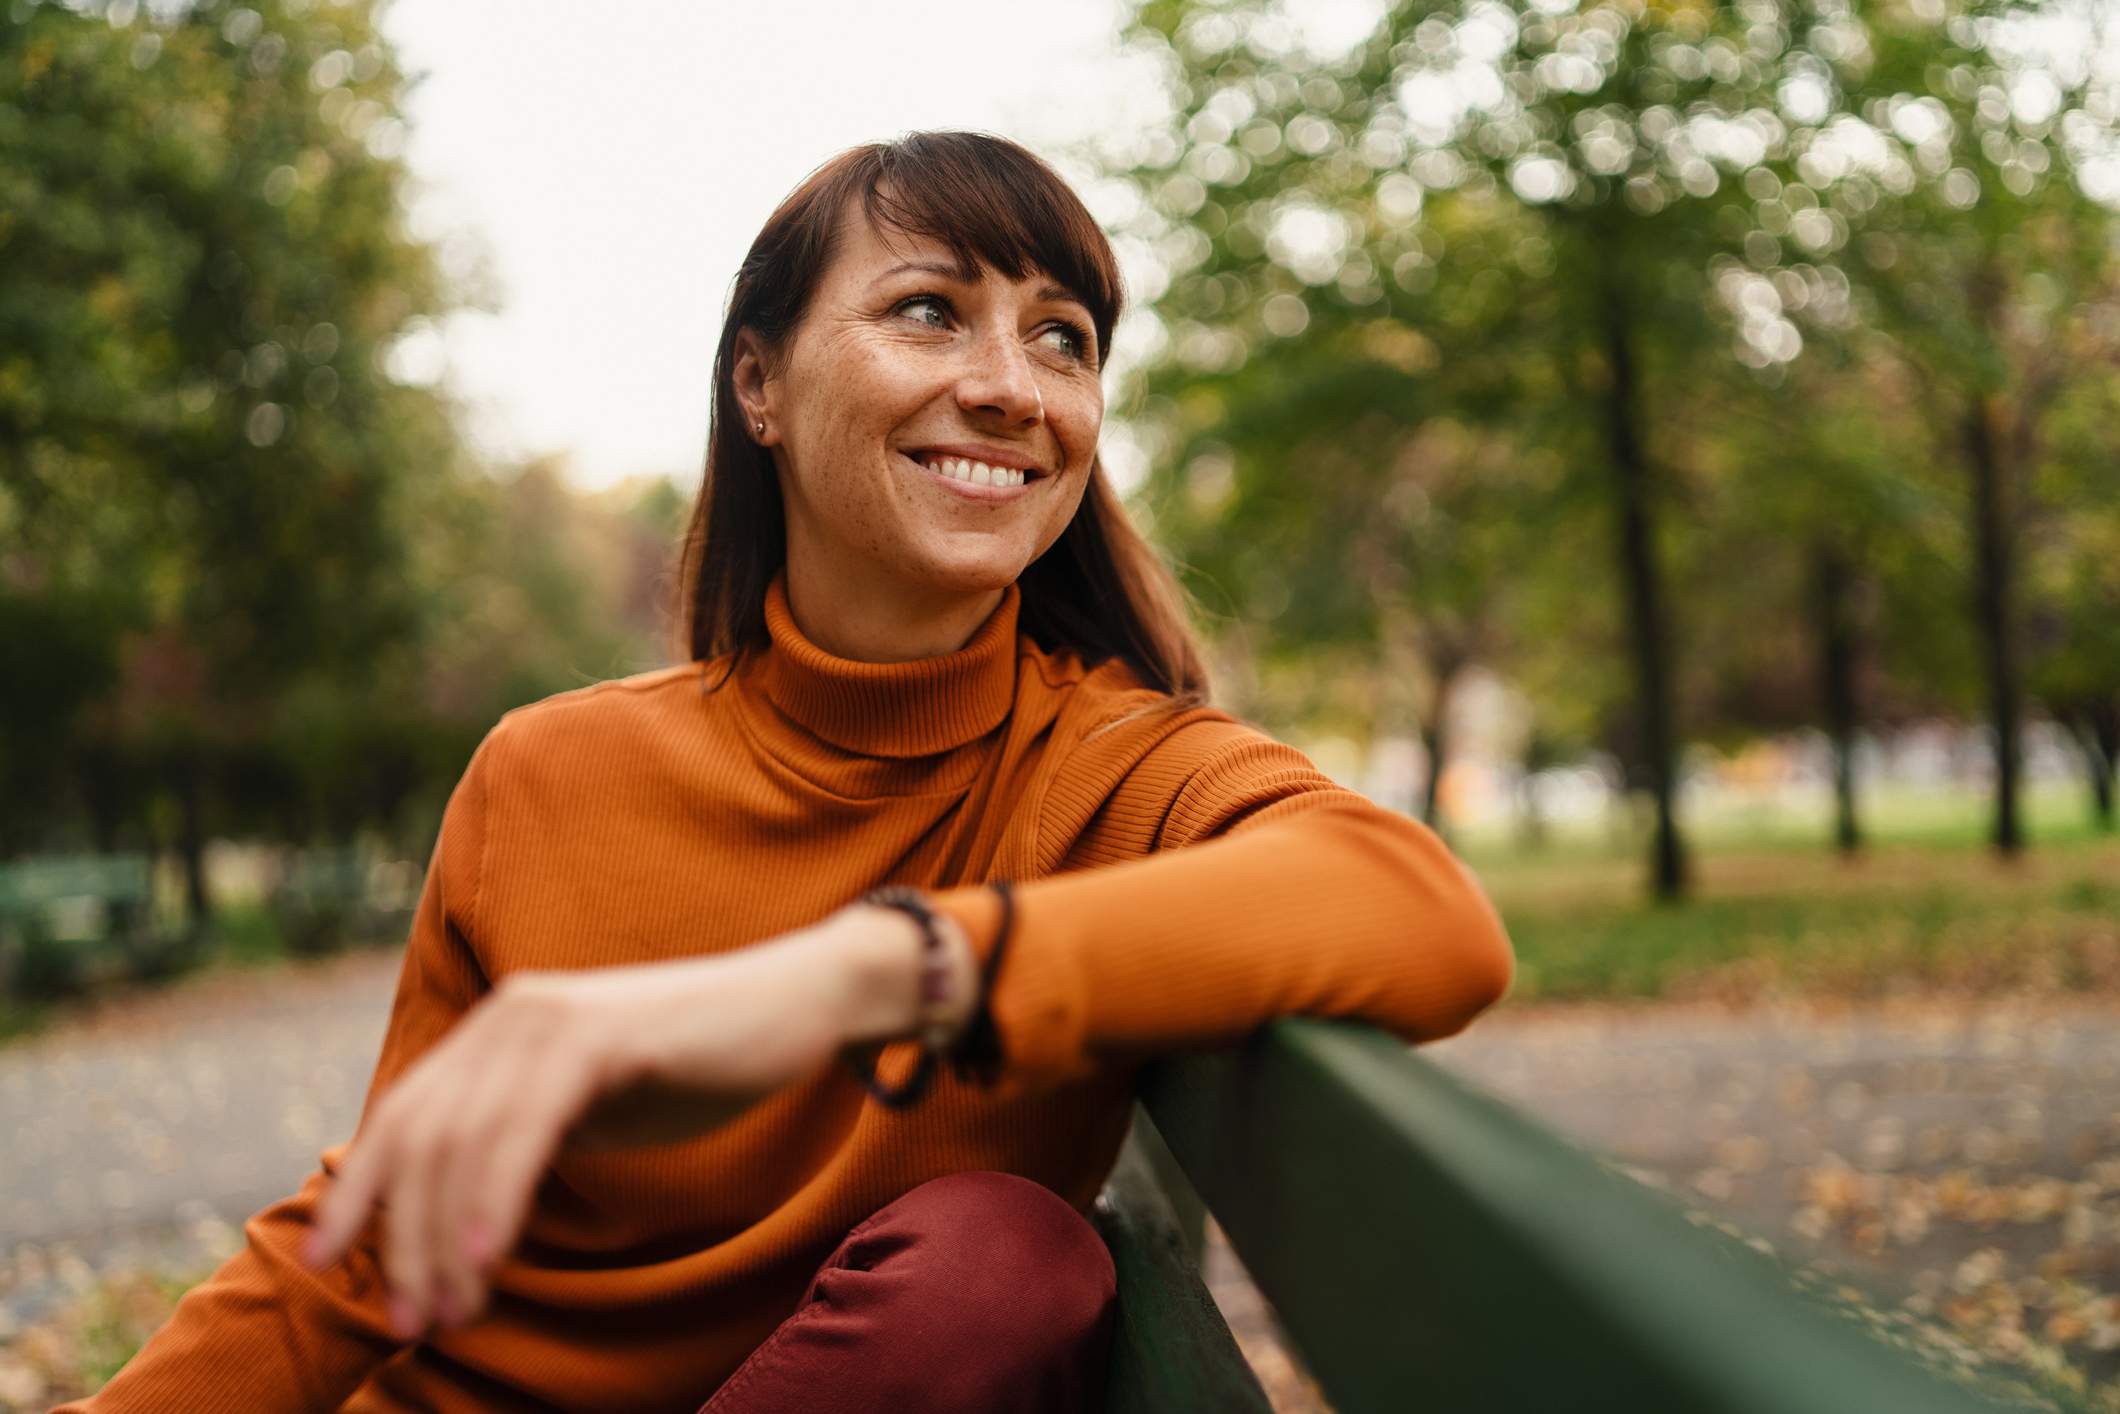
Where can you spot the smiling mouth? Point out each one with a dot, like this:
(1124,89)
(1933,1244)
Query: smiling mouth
(973,472)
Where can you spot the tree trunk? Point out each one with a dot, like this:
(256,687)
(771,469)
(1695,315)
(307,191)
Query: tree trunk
(191,843)
(1643,576)
(99,781)
(1532,833)
(1993,593)
(2097,732)
(1833,588)
(2105,725)
(1435,736)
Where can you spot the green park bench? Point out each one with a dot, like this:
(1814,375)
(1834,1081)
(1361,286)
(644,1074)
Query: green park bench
(69,922)
(1427,1247)
(329,898)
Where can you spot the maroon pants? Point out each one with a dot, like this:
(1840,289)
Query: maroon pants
(975,1292)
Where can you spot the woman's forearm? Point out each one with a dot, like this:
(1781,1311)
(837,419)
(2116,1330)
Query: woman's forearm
(604,1057)
(1257,888)
(862,965)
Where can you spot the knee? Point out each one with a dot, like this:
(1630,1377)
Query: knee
(1018,1250)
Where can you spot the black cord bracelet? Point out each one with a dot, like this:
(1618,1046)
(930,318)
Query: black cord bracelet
(977,1053)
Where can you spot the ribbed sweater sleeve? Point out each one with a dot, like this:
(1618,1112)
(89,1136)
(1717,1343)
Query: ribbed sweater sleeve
(263,1333)
(1230,882)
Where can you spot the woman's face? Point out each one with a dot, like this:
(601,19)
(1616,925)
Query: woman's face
(903,369)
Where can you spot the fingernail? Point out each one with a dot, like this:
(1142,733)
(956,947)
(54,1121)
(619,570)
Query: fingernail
(404,1321)
(313,1248)
(476,1238)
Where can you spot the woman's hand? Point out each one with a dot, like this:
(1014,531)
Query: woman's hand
(596,1059)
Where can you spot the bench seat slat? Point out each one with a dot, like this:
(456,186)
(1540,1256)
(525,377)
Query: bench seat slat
(1171,1350)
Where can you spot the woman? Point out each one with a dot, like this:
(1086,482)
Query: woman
(621,1150)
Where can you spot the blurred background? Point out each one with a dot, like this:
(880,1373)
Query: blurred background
(1672,447)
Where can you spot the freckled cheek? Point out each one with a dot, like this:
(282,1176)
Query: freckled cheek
(889,387)
(888,396)
(871,395)
(1076,424)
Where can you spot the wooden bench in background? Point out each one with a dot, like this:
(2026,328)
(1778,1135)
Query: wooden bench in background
(77,923)
(1429,1248)
(71,923)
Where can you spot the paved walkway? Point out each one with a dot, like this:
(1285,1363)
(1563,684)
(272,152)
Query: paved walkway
(1966,1156)
(1795,1121)
(145,1131)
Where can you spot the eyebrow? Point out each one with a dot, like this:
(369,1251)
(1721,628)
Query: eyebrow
(963,275)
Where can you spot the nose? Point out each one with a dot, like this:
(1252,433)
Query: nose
(998,380)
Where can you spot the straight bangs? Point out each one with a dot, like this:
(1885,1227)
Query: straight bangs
(996,208)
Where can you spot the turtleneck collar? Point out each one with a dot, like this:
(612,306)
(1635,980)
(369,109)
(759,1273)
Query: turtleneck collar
(906,709)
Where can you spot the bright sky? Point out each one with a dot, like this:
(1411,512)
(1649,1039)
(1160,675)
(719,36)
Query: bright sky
(616,160)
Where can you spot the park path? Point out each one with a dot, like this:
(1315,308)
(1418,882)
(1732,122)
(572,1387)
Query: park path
(145,1131)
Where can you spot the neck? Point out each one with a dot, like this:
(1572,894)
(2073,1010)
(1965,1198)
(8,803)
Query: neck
(877,620)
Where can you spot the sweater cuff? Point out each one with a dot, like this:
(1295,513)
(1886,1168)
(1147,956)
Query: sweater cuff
(1037,1001)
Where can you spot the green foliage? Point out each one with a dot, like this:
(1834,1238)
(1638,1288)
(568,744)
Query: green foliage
(203,461)
(251,580)
(1443,311)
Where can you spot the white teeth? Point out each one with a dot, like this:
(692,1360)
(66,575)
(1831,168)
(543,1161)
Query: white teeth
(978,473)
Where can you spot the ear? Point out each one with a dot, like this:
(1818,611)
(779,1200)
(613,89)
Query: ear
(754,388)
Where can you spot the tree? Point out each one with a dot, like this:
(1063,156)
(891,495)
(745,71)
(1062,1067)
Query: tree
(1322,490)
(1967,148)
(1579,152)
(2073,583)
(208,419)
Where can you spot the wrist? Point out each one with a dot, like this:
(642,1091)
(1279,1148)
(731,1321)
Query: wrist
(884,961)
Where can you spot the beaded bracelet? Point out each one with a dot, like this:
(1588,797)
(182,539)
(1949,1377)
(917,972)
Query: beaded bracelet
(977,1054)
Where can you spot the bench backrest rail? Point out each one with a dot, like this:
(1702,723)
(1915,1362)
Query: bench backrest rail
(1427,1246)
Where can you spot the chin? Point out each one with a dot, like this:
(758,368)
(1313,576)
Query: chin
(971,573)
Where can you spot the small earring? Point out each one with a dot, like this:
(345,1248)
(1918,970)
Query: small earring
(761,429)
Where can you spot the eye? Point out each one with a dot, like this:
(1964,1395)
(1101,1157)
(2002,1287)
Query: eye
(1078,338)
(914,301)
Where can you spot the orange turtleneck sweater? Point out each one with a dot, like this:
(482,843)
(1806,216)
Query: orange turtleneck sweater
(1181,879)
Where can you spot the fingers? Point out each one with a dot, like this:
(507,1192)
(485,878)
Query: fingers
(394,1163)
(516,1161)
(408,1257)
(519,1162)
(344,1208)
(453,1153)
(466,1238)
(387,1164)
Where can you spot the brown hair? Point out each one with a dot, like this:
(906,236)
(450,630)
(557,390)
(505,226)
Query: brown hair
(1099,588)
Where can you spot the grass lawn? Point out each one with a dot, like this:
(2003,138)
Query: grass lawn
(1926,905)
